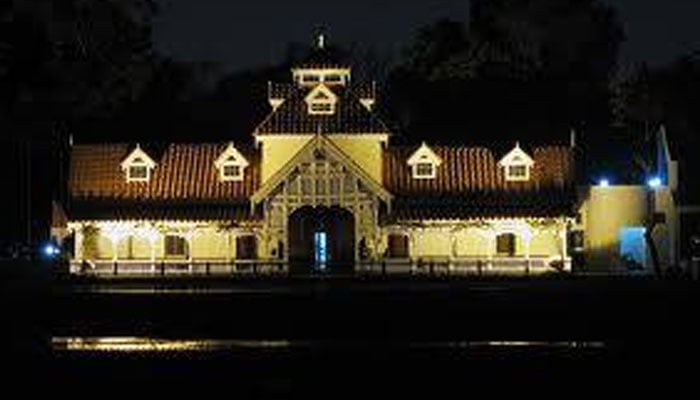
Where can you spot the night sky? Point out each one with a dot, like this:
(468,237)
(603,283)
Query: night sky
(256,34)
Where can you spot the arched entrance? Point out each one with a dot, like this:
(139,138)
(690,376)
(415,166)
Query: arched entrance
(321,238)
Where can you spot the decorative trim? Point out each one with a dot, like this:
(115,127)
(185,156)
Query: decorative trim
(231,157)
(424,163)
(516,164)
(138,159)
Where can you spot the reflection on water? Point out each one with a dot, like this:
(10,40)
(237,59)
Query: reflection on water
(136,344)
(147,345)
(497,344)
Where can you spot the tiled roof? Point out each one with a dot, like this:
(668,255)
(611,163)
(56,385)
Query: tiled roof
(183,171)
(469,182)
(174,211)
(293,117)
(327,57)
(278,90)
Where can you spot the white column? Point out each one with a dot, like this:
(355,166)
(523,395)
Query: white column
(491,236)
(78,244)
(562,236)
(188,239)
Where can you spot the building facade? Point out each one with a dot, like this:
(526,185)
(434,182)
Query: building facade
(321,186)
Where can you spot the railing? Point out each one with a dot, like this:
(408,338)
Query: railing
(464,266)
(425,266)
(178,267)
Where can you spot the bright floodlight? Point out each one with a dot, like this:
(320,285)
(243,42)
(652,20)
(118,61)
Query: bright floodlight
(604,182)
(50,250)
(654,182)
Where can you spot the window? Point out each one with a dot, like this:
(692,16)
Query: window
(310,78)
(397,246)
(505,244)
(231,172)
(138,173)
(321,108)
(516,164)
(332,78)
(231,164)
(321,100)
(424,163)
(137,166)
(175,246)
(425,170)
(517,171)
(245,247)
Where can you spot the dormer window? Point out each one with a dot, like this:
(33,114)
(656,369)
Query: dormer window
(321,101)
(425,170)
(321,108)
(231,165)
(231,172)
(138,173)
(424,163)
(310,78)
(516,165)
(137,166)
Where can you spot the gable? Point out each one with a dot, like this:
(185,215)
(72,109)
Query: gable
(517,156)
(138,157)
(424,154)
(290,116)
(231,156)
(309,152)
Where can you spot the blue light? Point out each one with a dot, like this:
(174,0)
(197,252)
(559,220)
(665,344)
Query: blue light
(654,182)
(51,250)
(604,182)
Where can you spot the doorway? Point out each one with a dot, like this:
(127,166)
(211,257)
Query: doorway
(321,239)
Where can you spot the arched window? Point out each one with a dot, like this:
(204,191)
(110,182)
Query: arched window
(397,246)
(505,244)
(175,246)
(245,247)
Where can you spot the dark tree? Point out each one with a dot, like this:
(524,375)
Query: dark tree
(517,68)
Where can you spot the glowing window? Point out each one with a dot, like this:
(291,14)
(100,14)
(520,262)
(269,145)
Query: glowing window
(320,249)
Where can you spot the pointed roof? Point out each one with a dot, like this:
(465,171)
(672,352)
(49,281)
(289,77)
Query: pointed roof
(424,154)
(517,156)
(306,152)
(350,117)
(231,155)
(138,156)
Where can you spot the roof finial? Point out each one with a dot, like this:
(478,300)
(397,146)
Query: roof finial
(321,41)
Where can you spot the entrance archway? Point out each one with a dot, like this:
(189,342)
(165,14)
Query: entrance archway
(321,238)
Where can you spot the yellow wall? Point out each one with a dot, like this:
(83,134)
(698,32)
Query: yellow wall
(474,241)
(605,211)
(211,243)
(364,150)
(277,150)
(546,241)
(207,242)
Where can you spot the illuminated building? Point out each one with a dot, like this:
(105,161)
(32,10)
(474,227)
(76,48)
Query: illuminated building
(321,185)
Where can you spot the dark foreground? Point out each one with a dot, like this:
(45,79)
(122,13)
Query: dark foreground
(344,337)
